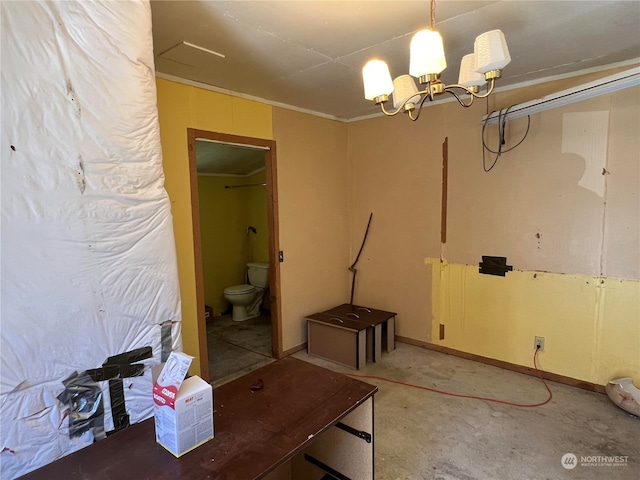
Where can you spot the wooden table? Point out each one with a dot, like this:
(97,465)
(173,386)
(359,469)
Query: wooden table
(303,413)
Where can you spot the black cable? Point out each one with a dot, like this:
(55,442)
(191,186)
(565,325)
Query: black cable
(502,121)
(419,109)
(502,135)
(457,97)
(501,125)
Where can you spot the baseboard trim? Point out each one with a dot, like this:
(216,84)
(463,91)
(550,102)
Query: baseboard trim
(554,377)
(293,350)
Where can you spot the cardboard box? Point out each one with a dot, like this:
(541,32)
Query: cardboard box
(183,409)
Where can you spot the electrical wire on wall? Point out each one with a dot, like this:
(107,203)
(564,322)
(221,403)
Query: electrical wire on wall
(502,129)
(474,397)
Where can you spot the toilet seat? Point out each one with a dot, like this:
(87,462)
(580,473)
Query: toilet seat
(239,289)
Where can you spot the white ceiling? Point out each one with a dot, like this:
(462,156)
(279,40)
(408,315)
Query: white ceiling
(309,54)
(227,159)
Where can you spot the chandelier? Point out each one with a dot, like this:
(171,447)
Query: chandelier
(426,62)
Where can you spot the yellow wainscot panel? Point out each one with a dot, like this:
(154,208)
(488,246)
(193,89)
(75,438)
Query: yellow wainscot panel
(498,317)
(618,341)
(439,296)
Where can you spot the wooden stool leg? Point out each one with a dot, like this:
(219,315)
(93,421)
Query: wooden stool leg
(390,327)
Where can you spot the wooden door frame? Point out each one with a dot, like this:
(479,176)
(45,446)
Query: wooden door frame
(272,222)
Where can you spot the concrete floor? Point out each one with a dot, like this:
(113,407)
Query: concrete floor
(422,435)
(236,348)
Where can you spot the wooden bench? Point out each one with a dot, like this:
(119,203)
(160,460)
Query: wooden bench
(350,334)
(341,340)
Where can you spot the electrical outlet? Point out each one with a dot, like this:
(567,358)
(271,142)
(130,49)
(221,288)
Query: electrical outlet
(539,344)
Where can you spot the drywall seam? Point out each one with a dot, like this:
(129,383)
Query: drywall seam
(597,327)
(605,174)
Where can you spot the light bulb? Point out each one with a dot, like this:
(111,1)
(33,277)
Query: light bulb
(426,54)
(377,80)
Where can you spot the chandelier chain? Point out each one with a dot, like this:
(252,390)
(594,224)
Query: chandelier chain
(432,20)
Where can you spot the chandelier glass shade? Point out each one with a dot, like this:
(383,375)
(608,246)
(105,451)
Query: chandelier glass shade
(427,61)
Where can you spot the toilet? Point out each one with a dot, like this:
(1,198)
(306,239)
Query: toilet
(247,299)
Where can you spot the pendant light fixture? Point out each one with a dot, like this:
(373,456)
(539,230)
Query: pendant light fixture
(427,61)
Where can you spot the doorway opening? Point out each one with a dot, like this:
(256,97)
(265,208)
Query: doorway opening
(235,232)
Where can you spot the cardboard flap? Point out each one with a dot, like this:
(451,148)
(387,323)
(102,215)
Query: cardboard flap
(165,390)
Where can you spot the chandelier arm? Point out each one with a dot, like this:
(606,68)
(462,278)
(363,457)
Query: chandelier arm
(427,93)
(475,95)
(391,113)
(418,109)
(424,94)
(411,117)
(489,91)
(461,87)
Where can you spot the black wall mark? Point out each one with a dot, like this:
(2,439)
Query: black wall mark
(494,266)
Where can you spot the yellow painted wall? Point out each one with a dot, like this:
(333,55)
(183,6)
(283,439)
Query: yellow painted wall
(313,194)
(313,188)
(257,217)
(223,226)
(181,107)
(395,170)
(225,214)
(570,231)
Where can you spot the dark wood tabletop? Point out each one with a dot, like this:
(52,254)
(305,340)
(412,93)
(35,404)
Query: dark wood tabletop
(255,431)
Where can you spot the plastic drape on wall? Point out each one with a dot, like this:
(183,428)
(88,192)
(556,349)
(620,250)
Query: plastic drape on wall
(90,298)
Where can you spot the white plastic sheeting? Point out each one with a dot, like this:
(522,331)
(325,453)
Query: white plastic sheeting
(88,255)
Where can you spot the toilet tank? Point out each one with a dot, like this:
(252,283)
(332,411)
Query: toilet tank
(258,274)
